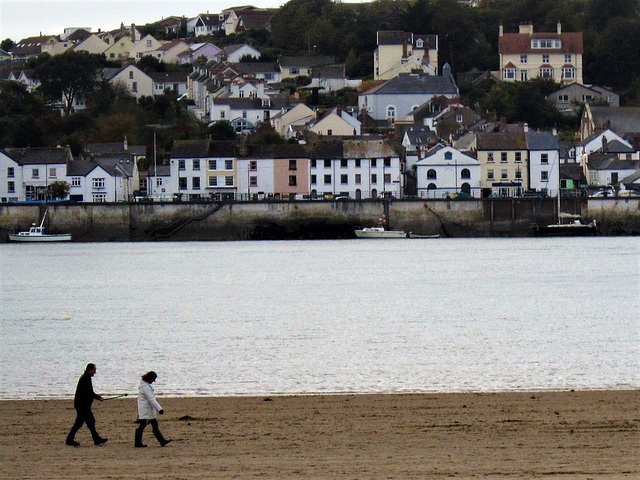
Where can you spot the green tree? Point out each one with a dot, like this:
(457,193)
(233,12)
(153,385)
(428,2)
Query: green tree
(7,45)
(221,130)
(59,189)
(67,76)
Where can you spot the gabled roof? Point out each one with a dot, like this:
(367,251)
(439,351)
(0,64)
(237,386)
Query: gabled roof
(308,61)
(256,67)
(502,141)
(209,19)
(257,19)
(168,77)
(114,148)
(416,85)
(79,35)
(520,43)
(615,146)
(31,45)
(619,119)
(541,141)
(420,134)
(395,37)
(598,161)
(251,103)
(169,45)
(236,46)
(39,156)
(202,149)
(328,71)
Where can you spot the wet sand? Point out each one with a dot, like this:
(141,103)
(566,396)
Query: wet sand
(552,435)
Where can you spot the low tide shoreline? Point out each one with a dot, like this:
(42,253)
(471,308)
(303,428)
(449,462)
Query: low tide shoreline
(515,435)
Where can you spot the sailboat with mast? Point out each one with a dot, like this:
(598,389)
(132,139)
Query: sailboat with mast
(37,234)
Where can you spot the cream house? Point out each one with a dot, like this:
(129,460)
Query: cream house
(402,52)
(169,52)
(146,46)
(137,82)
(92,44)
(337,123)
(503,163)
(526,55)
(287,123)
(120,49)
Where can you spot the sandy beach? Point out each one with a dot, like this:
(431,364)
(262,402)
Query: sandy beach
(564,435)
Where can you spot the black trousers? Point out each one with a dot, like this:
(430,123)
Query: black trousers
(84,415)
(154,426)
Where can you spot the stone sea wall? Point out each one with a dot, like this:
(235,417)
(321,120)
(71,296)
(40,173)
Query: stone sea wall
(122,222)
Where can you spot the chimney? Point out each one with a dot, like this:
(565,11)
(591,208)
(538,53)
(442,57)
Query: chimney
(526,128)
(526,28)
(559,28)
(604,144)
(126,145)
(501,30)
(133,33)
(404,46)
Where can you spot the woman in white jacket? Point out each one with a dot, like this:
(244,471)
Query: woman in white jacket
(148,409)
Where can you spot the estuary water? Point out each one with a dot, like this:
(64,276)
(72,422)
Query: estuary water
(303,317)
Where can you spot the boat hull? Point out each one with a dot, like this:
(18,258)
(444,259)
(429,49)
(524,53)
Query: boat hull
(375,233)
(63,237)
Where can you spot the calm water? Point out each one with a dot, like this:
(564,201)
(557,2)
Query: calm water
(238,318)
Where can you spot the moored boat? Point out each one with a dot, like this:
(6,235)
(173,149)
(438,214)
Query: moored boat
(380,232)
(573,228)
(37,234)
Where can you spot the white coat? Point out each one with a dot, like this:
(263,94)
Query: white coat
(148,407)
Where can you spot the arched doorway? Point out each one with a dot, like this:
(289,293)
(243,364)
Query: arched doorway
(466,188)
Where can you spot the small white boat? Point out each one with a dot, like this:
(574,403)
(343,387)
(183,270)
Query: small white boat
(37,234)
(380,232)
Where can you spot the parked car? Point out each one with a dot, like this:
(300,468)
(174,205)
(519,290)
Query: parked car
(602,194)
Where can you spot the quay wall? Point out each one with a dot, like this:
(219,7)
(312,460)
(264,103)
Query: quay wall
(123,222)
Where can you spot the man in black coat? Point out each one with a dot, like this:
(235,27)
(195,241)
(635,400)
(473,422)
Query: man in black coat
(82,403)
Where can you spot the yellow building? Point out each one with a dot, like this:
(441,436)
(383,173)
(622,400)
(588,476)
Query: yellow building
(504,162)
(526,55)
(402,52)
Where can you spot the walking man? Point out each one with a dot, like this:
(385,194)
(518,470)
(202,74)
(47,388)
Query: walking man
(82,401)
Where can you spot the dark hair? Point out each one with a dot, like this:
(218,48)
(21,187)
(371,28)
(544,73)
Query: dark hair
(149,376)
(90,366)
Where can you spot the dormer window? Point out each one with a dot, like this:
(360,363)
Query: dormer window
(420,43)
(546,43)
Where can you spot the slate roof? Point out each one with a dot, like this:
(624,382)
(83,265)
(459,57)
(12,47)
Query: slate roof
(277,151)
(209,19)
(39,156)
(115,147)
(115,165)
(251,103)
(30,45)
(307,61)
(416,85)
(615,146)
(256,19)
(328,71)
(620,119)
(202,149)
(520,43)
(542,141)
(502,141)
(394,37)
(168,77)
(367,149)
(163,171)
(256,67)
(421,134)
(598,161)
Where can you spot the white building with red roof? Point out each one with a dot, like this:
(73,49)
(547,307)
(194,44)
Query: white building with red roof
(526,55)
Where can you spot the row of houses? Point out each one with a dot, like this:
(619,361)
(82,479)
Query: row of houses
(507,164)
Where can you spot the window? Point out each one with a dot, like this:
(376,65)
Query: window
(222,114)
(158,182)
(391,113)
(52,172)
(358,162)
(563,98)
(97,183)
(253,165)
(327,163)
(465,173)
(374,178)
(241,94)
(524,75)
(196,183)
(546,72)
(228,181)
(182,165)
(523,59)
(131,75)
(244,114)
(11,187)
(182,183)
(374,162)
(295,71)
(544,158)
(490,174)
(99,197)
(544,176)
(327,179)
(490,157)
(448,156)
(149,43)
(504,174)
(313,163)
(35,173)
(569,73)
(228,164)
(518,174)
(134,87)
(358,179)
(518,157)
(545,58)
(509,73)
(213,181)
(431,173)
(196,164)
(253,181)
(587,98)
(213,165)
(387,162)
(10,172)
(567,58)
(75,181)
(459,118)
(503,157)
(344,179)
(329,132)
(546,43)
(293,165)
(293,181)
(314,179)
(344,163)
(387,178)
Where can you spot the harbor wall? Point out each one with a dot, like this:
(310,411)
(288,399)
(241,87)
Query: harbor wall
(122,222)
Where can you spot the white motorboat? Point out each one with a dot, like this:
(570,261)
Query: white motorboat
(37,234)
(380,232)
